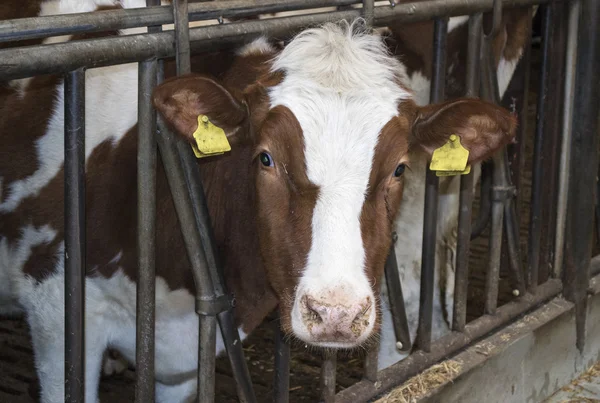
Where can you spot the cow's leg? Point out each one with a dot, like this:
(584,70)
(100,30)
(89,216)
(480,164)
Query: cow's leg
(45,313)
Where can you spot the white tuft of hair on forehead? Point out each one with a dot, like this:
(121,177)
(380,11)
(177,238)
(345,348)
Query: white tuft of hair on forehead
(342,86)
(342,57)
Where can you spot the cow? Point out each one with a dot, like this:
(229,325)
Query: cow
(413,44)
(323,134)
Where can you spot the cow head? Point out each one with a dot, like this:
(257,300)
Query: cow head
(331,128)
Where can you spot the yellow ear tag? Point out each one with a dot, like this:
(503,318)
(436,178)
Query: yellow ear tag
(210,139)
(450,159)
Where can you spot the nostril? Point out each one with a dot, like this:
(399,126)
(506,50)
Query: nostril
(314,310)
(362,317)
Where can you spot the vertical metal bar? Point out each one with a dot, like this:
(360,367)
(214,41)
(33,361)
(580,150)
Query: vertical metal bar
(74,92)
(182,36)
(212,288)
(537,195)
(485,202)
(207,326)
(459,315)
(146,182)
(207,344)
(239,367)
(489,92)
(431,195)
(565,157)
(368,11)
(493,274)
(328,372)
(370,365)
(187,219)
(584,164)
(281,389)
(145,312)
(396,300)
(551,148)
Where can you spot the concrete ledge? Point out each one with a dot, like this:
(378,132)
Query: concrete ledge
(528,360)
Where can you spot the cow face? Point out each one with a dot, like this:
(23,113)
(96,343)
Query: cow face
(330,129)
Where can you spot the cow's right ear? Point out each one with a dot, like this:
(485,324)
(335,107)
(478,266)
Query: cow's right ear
(180,100)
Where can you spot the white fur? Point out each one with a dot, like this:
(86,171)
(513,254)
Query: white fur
(110,322)
(258,46)
(455,22)
(341,87)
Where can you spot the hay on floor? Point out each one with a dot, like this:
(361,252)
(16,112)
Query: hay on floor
(420,385)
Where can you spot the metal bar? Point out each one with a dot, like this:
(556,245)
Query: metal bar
(538,172)
(552,141)
(281,384)
(215,292)
(512,242)
(111,20)
(493,273)
(239,367)
(501,184)
(146,295)
(328,372)
(459,314)
(187,219)
(565,156)
(595,266)
(485,201)
(74,94)
(368,11)
(146,285)
(61,57)
(515,98)
(182,36)
(396,300)
(431,196)
(371,362)
(449,344)
(207,325)
(207,345)
(584,164)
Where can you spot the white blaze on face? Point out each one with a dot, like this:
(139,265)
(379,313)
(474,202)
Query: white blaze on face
(342,89)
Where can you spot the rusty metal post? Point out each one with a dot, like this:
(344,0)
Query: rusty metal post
(584,164)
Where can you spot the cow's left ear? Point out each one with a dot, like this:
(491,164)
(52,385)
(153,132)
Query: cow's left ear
(482,127)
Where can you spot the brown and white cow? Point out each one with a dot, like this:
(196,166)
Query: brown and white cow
(303,206)
(413,45)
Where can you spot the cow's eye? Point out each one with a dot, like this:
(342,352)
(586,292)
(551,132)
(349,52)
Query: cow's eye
(399,170)
(266,159)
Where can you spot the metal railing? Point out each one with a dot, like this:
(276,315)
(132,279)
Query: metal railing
(577,124)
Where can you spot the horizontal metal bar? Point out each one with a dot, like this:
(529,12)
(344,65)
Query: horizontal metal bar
(110,20)
(61,57)
(418,361)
